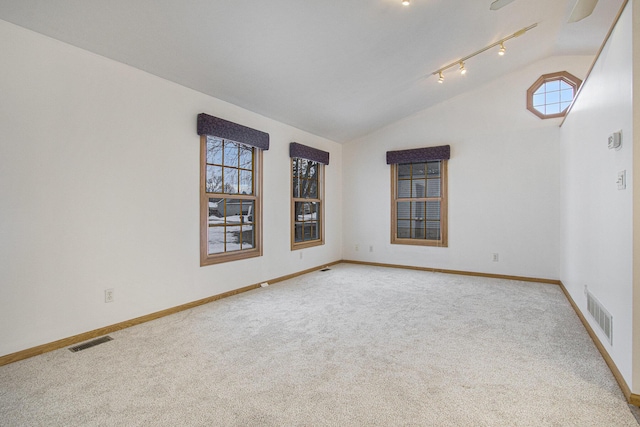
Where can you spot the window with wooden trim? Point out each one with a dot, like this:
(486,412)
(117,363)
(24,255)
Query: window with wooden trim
(419,197)
(307,195)
(230,203)
(551,95)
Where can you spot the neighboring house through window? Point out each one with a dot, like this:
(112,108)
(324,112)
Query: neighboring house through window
(419,196)
(230,193)
(307,195)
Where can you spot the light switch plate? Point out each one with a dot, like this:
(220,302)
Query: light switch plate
(622,180)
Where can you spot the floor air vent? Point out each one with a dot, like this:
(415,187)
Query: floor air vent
(325,269)
(90,344)
(601,316)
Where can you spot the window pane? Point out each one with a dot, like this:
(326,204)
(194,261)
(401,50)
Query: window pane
(215,226)
(404,210)
(404,188)
(433,210)
(564,105)
(214,179)
(309,189)
(299,232)
(404,171)
(246,157)
(419,170)
(404,229)
(303,168)
(246,182)
(296,187)
(564,85)
(566,95)
(231,153)
(230,181)
(310,230)
(417,210)
(433,169)
(433,230)
(433,187)
(553,108)
(312,170)
(214,150)
(553,85)
(538,99)
(248,240)
(553,97)
(418,188)
(417,229)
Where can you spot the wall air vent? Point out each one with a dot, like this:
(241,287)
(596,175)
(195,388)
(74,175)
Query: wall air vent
(601,316)
(90,344)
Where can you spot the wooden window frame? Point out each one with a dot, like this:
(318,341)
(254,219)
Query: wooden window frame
(256,197)
(443,241)
(320,200)
(564,76)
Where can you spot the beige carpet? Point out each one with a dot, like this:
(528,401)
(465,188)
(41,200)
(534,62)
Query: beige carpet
(353,346)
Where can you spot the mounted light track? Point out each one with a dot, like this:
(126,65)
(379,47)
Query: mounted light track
(499,4)
(460,62)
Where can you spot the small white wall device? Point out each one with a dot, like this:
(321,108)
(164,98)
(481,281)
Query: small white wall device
(615,140)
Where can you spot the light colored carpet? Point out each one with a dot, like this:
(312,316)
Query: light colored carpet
(353,346)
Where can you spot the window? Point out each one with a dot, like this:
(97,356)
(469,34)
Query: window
(230,196)
(551,94)
(419,196)
(307,195)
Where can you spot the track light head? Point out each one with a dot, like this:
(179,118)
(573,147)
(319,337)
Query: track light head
(440,77)
(463,70)
(502,49)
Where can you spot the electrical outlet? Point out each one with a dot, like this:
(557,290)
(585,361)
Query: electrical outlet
(370,248)
(496,257)
(300,254)
(357,247)
(108,295)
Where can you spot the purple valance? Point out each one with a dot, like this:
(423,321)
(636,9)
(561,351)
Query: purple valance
(309,153)
(417,155)
(214,126)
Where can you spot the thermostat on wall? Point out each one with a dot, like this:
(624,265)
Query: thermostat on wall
(615,140)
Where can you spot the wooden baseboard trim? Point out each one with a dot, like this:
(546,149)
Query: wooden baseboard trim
(633,399)
(461,272)
(65,342)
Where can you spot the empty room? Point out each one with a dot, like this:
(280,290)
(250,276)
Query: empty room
(345,213)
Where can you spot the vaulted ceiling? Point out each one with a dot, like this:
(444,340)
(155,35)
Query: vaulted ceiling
(336,68)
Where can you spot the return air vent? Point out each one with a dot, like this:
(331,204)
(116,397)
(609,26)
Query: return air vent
(90,344)
(601,316)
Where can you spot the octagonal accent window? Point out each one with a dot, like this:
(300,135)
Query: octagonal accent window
(551,94)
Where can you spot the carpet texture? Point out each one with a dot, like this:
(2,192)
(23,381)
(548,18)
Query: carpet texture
(353,346)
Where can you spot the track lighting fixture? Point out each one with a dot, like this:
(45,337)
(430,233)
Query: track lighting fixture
(460,62)
(406,2)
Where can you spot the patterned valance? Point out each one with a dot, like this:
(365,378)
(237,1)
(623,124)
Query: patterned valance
(309,153)
(417,155)
(214,126)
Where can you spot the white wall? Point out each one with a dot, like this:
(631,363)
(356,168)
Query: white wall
(596,217)
(99,188)
(503,180)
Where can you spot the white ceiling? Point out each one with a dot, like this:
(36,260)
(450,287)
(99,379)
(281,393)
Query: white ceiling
(336,68)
